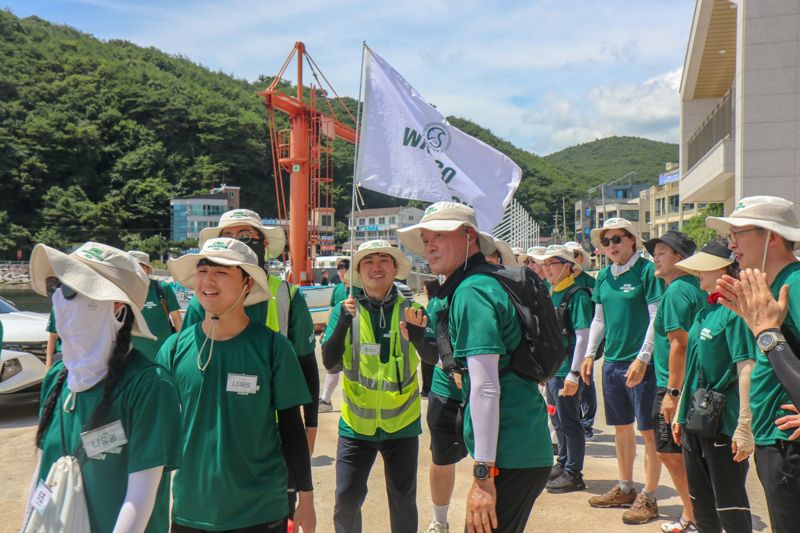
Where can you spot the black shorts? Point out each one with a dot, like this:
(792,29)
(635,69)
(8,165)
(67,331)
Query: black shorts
(447,445)
(663,431)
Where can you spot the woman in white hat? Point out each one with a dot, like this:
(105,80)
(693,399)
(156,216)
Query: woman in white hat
(503,255)
(104,403)
(626,297)
(583,260)
(720,355)
(233,375)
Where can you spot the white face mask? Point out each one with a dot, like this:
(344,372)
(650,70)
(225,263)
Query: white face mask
(88,331)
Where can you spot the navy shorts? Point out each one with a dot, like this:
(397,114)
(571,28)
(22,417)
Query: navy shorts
(623,405)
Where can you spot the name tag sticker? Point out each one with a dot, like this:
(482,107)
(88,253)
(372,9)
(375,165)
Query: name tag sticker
(371,349)
(41,497)
(103,439)
(242,384)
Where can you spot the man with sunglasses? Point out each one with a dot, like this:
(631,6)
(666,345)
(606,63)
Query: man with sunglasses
(763,232)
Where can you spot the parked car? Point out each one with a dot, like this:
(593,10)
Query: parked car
(24,348)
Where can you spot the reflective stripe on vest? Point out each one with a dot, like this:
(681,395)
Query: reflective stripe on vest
(278,307)
(376,394)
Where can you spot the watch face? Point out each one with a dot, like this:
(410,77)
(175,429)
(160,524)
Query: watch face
(481,471)
(766,341)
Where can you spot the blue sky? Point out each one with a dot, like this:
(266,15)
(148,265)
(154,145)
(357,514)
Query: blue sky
(544,74)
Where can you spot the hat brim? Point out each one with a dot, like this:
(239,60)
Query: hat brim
(412,239)
(703,262)
(565,255)
(48,262)
(184,270)
(596,236)
(403,264)
(505,252)
(275,236)
(723,224)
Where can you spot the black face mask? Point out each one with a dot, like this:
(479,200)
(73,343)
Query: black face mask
(257,245)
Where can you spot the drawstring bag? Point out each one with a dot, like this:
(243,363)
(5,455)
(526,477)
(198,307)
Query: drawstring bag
(66,510)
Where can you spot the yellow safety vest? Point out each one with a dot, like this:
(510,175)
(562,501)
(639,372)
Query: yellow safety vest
(376,394)
(278,308)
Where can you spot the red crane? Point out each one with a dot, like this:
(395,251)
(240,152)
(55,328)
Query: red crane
(303,151)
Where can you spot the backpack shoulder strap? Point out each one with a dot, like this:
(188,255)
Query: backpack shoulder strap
(572,291)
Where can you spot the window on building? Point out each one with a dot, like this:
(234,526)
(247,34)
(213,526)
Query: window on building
(231,194)
(673,226)
(381,220)
(632,215)
(577,215)
(371,221)
(392,220)
(587,212)
(620,194)
(674,203)
(688,207)
(647,216)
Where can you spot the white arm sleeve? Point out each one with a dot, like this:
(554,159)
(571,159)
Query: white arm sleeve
(596,331)
(581,342)
(649,337)
(484,404)
(32,487)
(139,500)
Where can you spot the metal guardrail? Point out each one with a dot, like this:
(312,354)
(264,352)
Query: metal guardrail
(719,124)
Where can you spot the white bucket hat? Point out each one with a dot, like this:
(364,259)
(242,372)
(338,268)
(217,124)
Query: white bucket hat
(379,247)
(555,250)
(97,271)
(576,247)
(275,236)
(226,252)
(519,255)
(535,250)
(444,216)
(143,258)
(614,223)
(769,212)
(505,252)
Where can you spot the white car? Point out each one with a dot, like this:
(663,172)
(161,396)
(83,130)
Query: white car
(24,349)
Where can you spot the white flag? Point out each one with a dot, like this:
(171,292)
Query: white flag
(409,150)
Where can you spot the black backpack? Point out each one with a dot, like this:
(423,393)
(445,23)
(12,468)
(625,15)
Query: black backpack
(565,320)
(540,352)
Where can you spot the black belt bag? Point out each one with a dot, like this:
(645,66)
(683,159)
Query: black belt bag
(705,412)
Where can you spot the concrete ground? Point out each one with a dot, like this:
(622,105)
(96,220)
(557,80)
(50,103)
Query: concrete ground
(564,513)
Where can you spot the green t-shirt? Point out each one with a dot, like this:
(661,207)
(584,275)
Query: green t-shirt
(146,402)
(301,325)
(484,321)
(717,340)
(51,328)
(442,384)
(340,293)
(766,392)
(585,280)
(383,335)
(680,304)
(581,311)
(234,475)
(624,300)
(156,319)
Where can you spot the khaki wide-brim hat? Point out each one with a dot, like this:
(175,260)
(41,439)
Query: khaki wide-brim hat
(379,247)
(576,247)
(533,251)
(519,255)
(275,236)
(614,223)
(97,271)
(555,251)
(444,216)
(225,252)
(505,252)
(142,257)
(769,212)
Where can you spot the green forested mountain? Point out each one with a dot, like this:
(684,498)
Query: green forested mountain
(610,158)
(97,136)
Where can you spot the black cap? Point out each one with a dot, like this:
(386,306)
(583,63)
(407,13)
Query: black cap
(681,243)
(719,248)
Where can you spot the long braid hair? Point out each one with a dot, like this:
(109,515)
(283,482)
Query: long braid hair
(116,366)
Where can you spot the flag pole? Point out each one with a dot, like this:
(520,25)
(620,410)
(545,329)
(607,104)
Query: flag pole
(355,165)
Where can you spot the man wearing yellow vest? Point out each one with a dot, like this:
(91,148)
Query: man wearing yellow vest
(366,338)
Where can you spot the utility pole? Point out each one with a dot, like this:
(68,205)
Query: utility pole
(564,213)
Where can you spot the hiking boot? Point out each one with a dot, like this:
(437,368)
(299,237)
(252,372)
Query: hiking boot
(556,471)
(642,511)
(438,527)
(588,433)
(613,498)
(678,526)
(566,482)
(325,407)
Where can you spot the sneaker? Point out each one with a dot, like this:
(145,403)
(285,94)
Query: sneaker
(325,407)
(642,511)
(566,482)
(588,433)
(678,526)
(613,498)
(438,527)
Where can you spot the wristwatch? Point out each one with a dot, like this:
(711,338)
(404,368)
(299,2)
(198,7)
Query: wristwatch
(575,373)
(673,392)
(769,339)
(483,471)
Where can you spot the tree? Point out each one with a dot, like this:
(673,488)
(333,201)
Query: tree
(696,227)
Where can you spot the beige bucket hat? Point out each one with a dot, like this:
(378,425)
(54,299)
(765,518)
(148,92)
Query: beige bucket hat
(97,271)
(506,254)
(143,258)
(444,216)
(379,247)
(713,256)
(519,255)
(226,252)
(769,212)
(576,247)
(276,237)
(614,223)
(555,250)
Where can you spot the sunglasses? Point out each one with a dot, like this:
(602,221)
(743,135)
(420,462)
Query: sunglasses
(52,283)
(616,239)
